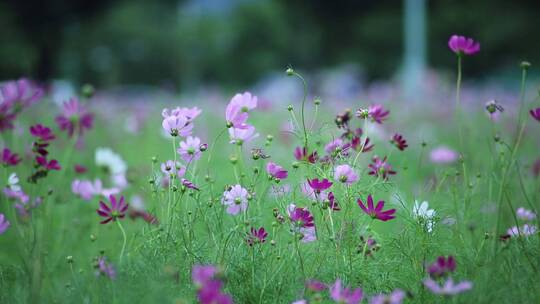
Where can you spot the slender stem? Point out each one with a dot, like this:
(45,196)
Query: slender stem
(458,102)
(302,109)
(299,256)
(125,239)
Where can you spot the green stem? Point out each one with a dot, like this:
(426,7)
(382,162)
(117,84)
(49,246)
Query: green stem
(302,109)
(125,239)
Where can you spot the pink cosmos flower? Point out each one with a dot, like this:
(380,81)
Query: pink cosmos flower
(237,110)
(201,274)
(169,167)
(443,155)
(357,145)
(332,202)
(345,174)
(189,113)
(115,211)
(105,269)
(86,189)
(525,214)
(334,145)
(380,167)
(535,113)
(242,135)
(208,286)
(315,285)
(4,223)
(15,96)
(188,184)
(177,125)
(377,113)
(276,171)
(256,236)
(313,195)
(236,199)
(190,149)
(341,294)
(448,288)
(396,297)
(525,230)
(376,212)
(16,195)
(442,267)
(74,117)
(463,45)
(9,158)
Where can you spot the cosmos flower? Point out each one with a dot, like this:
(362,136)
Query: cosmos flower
(188,184)
(377,113)
(16,96)
(80,169)
(200,274)
(189,113)
(236,199)
(170,167)
(9,158)
(335,146)
(426,215)
(4,223)
(442,266)
(315,285)
(463,45)
(376,212)
(525,214)
(190,149)
(208,286)
(535,113)
(303,222)
(236,113)
(448,288)
(42,133)
(341,294)
(116,210)
(86,189)
(256,236)
(177,125)
(380,168)
(112,162)
(242,135)
(525,230)
(105,269)
(332,202)
(74,117)
(396,297)
(301,154)
(48,165)
(356,144)
(399,142)
(276,171)
(443,155)
(319,185)
(345,174)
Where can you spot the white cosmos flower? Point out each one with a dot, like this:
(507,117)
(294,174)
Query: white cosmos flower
(105,157)
(13,182)
(422,211)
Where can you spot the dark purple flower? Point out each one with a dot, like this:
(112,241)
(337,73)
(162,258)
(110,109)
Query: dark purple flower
(116,210)
(377,113)
(379,167)
(442,266)
(188,184)
(276,171)
(535,113)
(376,212)
(74,118)
(536,168)
(463,45)
(332,202)
(6,117)
(256,236)
(301,217)
(105,269)
(42,133)
(80,169)
(9,158)
(399,142)
(319,185)
(301,154)
(356,144)
(48,165)
(315,285)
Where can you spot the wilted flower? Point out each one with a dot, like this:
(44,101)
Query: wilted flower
(9,158)
(74,117)
(399,142)
(236,199)
(463,45)
(116,210)
(276,171)
(376,212)
(426,215)
(368,245)
(443,155)
(535,113)
(524,214)
(341,294)
(357,145)
(256,236)
(396,297)
(448,288)
(345,174)
(190,149)
(379,167)
(237,110)
(493,107)
(442,266)
(4,223)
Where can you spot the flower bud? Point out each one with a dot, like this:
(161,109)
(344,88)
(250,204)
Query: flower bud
(88,90)
(317,101)
(290,108)
(269,137)
(233,159)
(289,71)
(525,65)
(154,159)
(69,259)
(203,147)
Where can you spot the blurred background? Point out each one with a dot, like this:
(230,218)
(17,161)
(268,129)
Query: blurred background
(181,45)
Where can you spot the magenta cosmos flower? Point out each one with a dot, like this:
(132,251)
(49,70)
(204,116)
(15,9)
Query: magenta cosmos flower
(463,45)
(190,149)
(276,171)
(345,174)
(535,113)
(396,297)
(42,133)
(303,222)
(315,285)
(380,168)
(200,274)
(237,110)
(398,141)
(301,154)
(236,199)
(4,223)
(442,267)
(256,236)
(116,210)
(74,118)
(341,294)
(319,185)
(376,212)
(208,286)
(48,165)
(377,113)
(9,158)
(448,288)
